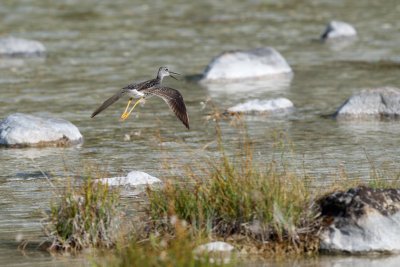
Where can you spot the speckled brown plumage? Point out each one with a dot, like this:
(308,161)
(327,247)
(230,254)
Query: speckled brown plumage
(174,100)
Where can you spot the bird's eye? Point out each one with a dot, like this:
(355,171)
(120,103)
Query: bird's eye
(166,69)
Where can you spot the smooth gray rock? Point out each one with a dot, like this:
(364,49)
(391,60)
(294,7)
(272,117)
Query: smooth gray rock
(240,64)
(133,184)
(262,106)
(16,46)
(338,29)
(21,130)
(375,103)
(134,178)
(361,220)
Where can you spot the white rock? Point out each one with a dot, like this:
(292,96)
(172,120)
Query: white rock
(217,246)
(17,46)
(134,178)
(372,233)
(27,130)
(338,29)
(246,64)
(361,219)
(217,252)
(377,102)
(261,106)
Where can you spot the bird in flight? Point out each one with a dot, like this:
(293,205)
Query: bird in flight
(147,89)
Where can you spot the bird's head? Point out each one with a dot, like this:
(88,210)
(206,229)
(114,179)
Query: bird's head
(164,72)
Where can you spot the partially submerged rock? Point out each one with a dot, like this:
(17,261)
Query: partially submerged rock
(361,220)
(16,46)
(373,103)
(262,106)
(134,178)
(337,30)
(22,130)
(240,64)
(217,252)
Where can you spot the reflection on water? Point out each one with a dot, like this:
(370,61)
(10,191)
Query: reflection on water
(238,90)
(97,47)
(338,45)
(34,153)
(372,260)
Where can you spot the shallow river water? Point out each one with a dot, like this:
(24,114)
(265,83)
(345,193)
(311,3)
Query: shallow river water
(96,47)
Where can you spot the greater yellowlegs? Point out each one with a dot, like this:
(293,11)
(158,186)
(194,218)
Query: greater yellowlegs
(147,89)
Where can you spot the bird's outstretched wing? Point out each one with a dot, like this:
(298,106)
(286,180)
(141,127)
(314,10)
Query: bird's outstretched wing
(174,100)
(109,102)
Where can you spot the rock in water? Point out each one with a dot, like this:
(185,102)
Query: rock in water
(378,102)
(361,220)
(134,178)
(217,252)
(338,29)
(246,64)
(21,130)
(262,106)
(16,46)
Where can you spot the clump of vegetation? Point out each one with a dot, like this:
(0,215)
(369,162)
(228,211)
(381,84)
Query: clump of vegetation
(260,209)
(85,215)
(266,205)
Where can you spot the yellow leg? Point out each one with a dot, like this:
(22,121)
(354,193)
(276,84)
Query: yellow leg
(126,109)
(126,115)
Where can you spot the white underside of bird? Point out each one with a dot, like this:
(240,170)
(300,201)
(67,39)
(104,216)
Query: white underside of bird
(135,93)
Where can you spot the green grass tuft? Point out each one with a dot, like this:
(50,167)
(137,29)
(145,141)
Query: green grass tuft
(86,215)
(237,197)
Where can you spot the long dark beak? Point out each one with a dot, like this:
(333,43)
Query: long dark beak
(172,75)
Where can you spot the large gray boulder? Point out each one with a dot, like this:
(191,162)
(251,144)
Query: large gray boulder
(240,64)
(338,30)
(371,103)
(21,130)
(361,219)
(16,46)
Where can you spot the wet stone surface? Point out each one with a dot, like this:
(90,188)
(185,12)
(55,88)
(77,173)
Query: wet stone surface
(338,30)
(361,219)
(243,64)
(356,202)
(23,130)
(371,103)
(11,46)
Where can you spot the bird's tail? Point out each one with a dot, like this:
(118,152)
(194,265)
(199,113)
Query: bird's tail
(106,104)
